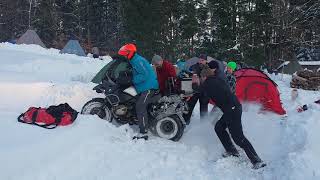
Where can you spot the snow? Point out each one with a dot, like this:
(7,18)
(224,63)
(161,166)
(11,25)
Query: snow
(309,63)
(94,149)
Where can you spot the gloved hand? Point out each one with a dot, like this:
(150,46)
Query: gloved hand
(302,108)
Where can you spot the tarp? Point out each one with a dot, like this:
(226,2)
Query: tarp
(255,86)
(30,37)
(73,47)
(191,61)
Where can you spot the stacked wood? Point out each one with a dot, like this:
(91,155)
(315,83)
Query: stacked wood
(306,79)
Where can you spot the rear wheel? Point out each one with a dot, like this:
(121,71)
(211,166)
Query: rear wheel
(98,107)
(170,128)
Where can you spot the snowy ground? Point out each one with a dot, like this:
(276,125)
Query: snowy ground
(93,149)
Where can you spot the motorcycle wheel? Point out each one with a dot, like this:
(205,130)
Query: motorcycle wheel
(170,127)
(98,107)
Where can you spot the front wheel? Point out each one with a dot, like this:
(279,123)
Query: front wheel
(97,106)
(170,127)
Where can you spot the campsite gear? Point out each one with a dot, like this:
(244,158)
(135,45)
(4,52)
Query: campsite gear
(73,47)
(255,86)
(186,85)
(128,51)
(306,79)
(190,62)
(165,113)
(50,117)
(232,65)
(30,37)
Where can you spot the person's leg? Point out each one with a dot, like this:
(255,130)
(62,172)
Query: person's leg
(191,104)
(235,129)
(204,101)
(224,137)
(141,109)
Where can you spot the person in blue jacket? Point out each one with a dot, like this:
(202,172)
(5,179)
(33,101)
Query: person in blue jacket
(145,82)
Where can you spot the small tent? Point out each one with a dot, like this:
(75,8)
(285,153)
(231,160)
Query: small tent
(73,47)
(289,67)
(30,37)
(255,86)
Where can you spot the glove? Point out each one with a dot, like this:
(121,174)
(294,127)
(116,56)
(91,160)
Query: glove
(302,108)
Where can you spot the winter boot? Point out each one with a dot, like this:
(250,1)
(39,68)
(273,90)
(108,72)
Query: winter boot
(259,165)
(141,136)
(228,154)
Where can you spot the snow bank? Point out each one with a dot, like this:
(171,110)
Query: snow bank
(94,149)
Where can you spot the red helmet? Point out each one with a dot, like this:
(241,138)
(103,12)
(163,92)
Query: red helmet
(127,50)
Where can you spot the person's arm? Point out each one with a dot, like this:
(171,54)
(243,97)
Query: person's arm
(142,73)
(232,82)
(196,86)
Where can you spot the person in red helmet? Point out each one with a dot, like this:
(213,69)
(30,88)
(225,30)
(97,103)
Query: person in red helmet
(145,82)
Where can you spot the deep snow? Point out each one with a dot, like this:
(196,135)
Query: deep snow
(94,149)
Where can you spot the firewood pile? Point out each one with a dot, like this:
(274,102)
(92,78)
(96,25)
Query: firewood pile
(306,79)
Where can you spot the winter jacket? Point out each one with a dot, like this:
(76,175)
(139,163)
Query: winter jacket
(182,70)
(163,73)
(218,90)
(231,81)
(144,77)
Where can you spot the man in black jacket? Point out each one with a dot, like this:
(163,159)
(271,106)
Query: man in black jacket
(203,100)
(217,89)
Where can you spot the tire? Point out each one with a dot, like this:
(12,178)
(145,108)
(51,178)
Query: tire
(170,127)
(97,106)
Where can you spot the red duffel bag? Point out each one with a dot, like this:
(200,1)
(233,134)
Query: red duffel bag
(50,117)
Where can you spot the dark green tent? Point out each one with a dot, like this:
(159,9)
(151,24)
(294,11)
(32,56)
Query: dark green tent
(113,68)
(100,75)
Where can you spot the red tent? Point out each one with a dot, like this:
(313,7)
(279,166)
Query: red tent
(255,86)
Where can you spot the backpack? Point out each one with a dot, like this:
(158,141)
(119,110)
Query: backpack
(50,117)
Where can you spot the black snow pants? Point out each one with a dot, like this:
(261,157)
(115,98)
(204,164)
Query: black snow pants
(231,119)
(203,100)
(141,109)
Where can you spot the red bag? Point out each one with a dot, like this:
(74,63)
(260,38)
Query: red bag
(49,118)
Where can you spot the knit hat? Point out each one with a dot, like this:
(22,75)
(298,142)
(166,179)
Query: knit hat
(232,65)
(156,59)
(213,65)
